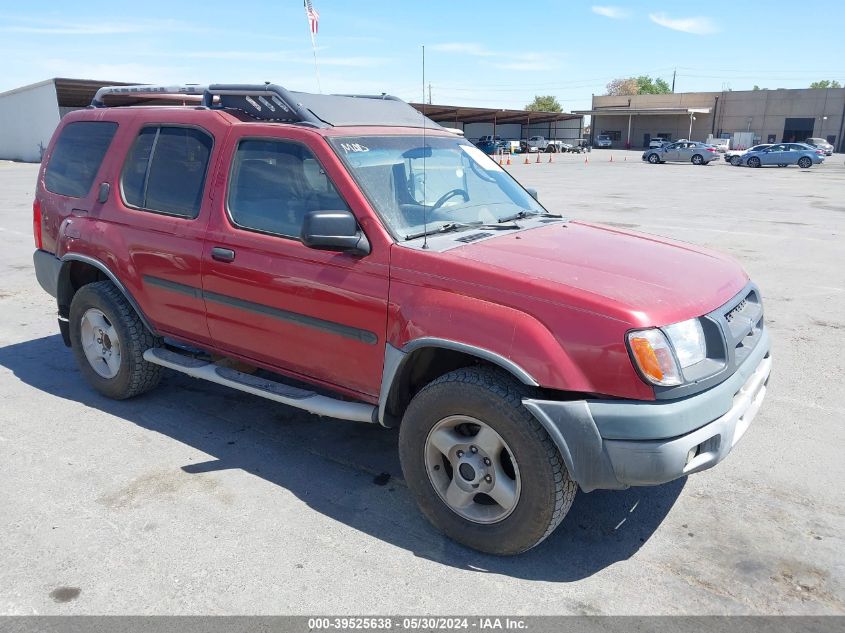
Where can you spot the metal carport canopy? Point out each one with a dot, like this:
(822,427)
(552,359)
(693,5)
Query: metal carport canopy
(458,114)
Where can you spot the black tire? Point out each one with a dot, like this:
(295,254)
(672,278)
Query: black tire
(491,396)
(135,375)
(736,161)
(804,162)
(654,159)
(551,149)
(754,162)
(697,159)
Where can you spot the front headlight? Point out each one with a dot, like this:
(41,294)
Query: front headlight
(662,353)
(687,338)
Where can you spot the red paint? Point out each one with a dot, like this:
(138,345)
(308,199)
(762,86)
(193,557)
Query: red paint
(556,300)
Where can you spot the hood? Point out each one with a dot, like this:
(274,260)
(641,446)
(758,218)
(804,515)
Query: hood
(649,280)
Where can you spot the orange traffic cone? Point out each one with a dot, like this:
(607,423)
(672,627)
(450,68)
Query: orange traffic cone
(501,162)
(509,161)
(538,157)
(586,161)
(527,162)
(550,158)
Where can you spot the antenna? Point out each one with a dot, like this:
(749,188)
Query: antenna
(425,212)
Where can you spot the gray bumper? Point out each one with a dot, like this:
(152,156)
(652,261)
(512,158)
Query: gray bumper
(47,268)
(723,414)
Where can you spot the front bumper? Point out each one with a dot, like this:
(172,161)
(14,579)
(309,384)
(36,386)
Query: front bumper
(711,424)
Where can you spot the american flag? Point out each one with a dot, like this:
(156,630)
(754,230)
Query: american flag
(313,16)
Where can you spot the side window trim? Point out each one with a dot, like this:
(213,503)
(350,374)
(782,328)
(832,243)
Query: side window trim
(158,127)
(230,181)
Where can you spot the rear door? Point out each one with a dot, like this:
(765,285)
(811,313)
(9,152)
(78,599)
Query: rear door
(157,216)
(308,313)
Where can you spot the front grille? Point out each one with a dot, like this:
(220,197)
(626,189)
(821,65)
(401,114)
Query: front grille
(743,325)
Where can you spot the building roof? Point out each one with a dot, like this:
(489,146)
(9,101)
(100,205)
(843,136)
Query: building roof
(623,111)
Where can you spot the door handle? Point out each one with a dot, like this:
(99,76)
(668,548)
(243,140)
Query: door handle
(76,211)
(222,254)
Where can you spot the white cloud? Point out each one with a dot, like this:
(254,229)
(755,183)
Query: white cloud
(616,13)
(466,48)
(695,25)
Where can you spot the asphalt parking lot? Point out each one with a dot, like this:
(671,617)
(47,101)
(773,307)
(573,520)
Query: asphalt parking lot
(196,499)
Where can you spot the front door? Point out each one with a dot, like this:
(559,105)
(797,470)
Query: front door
(775,155)
(309,313)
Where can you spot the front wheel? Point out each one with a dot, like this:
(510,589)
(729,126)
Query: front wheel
(653,159)
(736,161)
(480,466)
(109,341)
(804,162)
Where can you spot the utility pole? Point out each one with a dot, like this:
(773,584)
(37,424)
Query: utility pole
(674,72)
(429,93)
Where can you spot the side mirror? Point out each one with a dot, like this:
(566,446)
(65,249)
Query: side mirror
(532,193)
(334,231)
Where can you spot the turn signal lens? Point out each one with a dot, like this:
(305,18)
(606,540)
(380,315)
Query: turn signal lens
(653,356)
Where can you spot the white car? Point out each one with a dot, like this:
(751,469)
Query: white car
(657,142)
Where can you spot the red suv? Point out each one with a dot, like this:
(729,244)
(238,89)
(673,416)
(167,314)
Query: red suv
(362,263)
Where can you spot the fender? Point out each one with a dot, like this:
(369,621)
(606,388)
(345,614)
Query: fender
(70,257)
(394,363)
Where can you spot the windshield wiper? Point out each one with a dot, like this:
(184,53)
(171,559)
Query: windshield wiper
(524,213)
(461,226)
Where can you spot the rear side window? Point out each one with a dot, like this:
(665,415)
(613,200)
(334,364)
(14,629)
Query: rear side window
(165,170)
(275,183)
(77,156)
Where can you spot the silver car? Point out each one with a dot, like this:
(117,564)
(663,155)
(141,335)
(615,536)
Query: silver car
(782,155)
(821,144)
(682,152)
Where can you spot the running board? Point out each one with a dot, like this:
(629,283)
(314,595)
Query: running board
(270,389)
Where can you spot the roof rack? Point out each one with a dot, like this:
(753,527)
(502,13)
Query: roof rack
(271,102)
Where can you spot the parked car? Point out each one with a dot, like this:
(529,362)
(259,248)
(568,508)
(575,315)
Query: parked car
(490,138)
(556,146)
(782,155)
(734,157)
(657,142)
(603,141)
(821,144)
(386,276)
(492,147)
(682,152)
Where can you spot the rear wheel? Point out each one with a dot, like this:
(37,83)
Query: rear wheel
(653,158)
(480,466)
(551,149)
(697,159)
(109,340)
(804,162)
(754,162)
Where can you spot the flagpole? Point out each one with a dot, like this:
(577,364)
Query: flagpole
(312,16)
(316,67)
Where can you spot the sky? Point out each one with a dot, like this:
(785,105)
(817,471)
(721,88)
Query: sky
(490,54)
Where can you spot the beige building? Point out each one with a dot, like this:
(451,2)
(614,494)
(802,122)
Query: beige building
(769,115)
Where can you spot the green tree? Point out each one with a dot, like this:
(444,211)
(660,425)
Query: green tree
(546,103)
(756,87)
(826,83)
(642,85)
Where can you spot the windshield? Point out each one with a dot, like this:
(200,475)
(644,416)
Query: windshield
(445,181)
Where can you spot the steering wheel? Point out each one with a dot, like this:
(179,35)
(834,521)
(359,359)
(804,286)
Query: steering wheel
(448,196)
